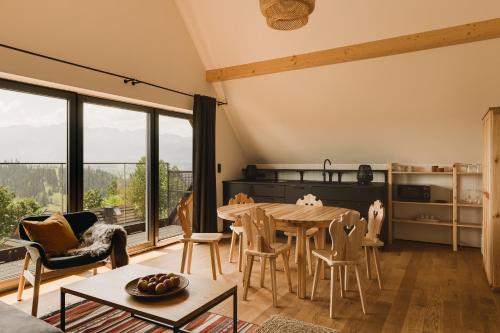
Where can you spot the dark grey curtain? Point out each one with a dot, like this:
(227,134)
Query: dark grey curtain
(204,191)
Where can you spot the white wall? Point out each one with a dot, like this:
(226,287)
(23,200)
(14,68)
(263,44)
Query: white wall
(147,41)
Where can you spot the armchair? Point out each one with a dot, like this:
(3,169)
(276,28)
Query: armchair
(79,222)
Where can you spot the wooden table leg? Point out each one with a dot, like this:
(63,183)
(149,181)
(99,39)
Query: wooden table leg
(321,246)
(301,265)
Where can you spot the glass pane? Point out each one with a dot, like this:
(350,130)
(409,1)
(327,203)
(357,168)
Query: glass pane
(115,168)
(33,136)
(176,175)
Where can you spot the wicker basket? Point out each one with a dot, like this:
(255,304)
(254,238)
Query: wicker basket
(286,14)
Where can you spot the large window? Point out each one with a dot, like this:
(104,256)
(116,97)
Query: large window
(175,170)
(60,152)
(115,167)
(33,163)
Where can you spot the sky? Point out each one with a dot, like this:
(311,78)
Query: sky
(110,134)
(23,109)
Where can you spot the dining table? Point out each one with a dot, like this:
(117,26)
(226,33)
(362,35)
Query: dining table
(295,216)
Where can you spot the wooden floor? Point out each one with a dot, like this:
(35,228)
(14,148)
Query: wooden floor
(427,288)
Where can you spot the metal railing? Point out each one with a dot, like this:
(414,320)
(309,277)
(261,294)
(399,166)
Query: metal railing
(112,182)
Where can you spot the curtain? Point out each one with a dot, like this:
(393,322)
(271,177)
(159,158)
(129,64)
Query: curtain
(204,190)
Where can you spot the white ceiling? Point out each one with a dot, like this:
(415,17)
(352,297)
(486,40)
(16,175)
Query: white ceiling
(423,107)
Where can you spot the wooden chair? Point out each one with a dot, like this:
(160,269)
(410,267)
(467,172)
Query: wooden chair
(237,228)
(185,213)
(260,232)
(308,200)
(347,233)
(371,242)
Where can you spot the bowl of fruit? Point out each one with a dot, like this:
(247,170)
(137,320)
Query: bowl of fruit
(157,285)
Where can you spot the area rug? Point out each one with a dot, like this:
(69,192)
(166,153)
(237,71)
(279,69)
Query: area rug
(280,324)
(92,317)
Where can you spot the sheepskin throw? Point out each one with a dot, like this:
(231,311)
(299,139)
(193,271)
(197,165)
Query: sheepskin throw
(280,324)
(99,238)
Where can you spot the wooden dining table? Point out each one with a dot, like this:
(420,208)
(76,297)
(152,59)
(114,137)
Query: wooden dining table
(291,215)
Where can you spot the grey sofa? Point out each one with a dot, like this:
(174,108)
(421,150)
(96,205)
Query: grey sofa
(13,320)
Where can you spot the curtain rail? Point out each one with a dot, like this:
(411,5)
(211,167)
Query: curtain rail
(126,79)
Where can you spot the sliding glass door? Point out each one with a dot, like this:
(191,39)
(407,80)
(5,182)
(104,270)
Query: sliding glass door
(175,140)
(33,161)
(64,152)
(116,167)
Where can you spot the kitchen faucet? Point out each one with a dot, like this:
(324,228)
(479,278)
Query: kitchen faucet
(324,168)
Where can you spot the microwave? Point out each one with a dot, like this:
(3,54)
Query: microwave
(420,193)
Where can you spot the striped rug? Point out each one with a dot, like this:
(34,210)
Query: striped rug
(92,317)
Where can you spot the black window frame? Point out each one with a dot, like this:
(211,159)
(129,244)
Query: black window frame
(75,147)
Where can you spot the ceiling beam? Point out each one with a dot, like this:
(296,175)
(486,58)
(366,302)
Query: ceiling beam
(459,34)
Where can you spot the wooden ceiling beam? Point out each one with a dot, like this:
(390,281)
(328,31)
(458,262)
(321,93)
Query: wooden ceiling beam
(459,34)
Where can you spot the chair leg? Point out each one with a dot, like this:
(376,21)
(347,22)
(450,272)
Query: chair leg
(287,271)
(94,271)
(296,250)
(308,254)
(189,257)
(315,279)
(233,243)
(184,253)
(361,292)
(272,262)
(36,287)
(341,281)
(212,261)
(248,275)
(346,278)
(377,266)
(332,282)
(240,251)
(22,279)
(217,252)
(262,271)
(368,268)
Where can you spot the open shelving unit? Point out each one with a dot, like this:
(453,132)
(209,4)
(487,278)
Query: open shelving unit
(455,173)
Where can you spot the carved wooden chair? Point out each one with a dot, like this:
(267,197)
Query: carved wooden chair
(185,213)
(260,232)
(347,234)
(371,242)
(237,228)
(308,200)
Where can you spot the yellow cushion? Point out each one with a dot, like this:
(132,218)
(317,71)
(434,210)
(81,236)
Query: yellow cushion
(54,234)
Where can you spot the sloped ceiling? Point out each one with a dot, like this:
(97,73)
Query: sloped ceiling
(420,107)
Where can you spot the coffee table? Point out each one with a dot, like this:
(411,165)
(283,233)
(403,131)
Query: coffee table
(176,311)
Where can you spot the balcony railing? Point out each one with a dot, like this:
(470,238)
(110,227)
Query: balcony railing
(115,184)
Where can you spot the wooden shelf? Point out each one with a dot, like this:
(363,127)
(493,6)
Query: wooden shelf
(449,204)
(470,205)
(421,173)
(456,174)
(438,223)
(470,225)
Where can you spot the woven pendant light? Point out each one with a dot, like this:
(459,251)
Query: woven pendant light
(286,14)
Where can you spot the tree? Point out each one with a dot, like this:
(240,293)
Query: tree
(136,190)
(112,188)
(92,199)
(12,210)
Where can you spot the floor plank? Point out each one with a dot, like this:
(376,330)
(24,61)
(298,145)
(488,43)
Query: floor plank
(427,288)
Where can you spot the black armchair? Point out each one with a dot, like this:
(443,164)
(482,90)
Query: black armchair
(79,222)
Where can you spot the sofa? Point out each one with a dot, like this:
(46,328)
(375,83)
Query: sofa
(13,320)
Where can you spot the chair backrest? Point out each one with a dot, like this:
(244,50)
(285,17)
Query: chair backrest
(347,233)
(240,198)
(79,222)
(260,230)
(309,200)
(185,214)
(375,220)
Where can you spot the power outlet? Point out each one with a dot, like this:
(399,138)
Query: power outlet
(219,168)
